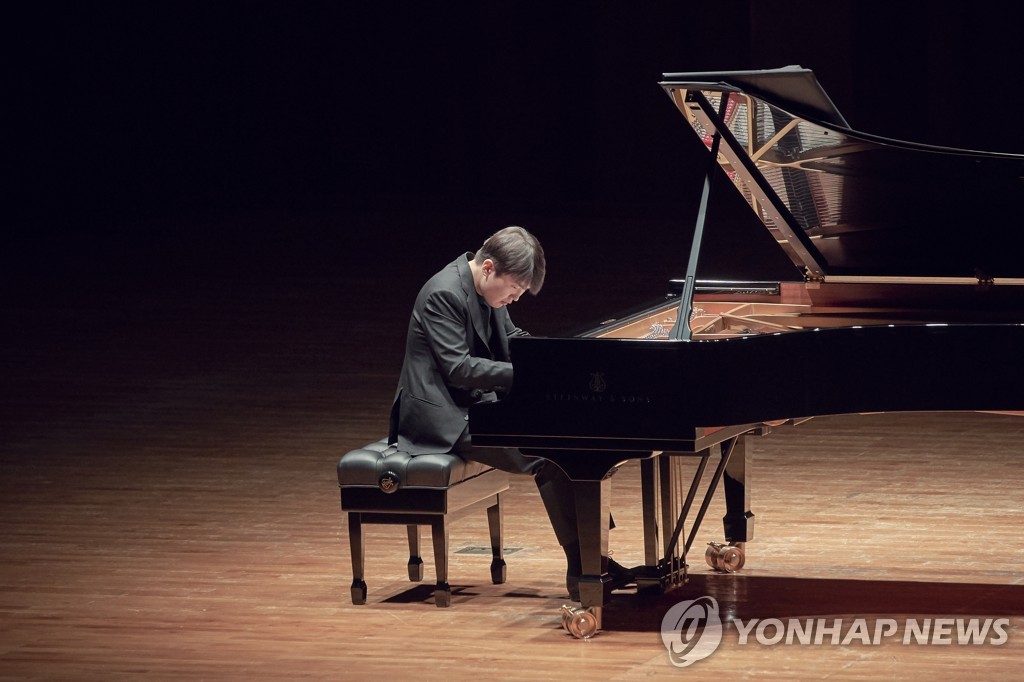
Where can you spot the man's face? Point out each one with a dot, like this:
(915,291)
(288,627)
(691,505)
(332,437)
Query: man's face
(499,290)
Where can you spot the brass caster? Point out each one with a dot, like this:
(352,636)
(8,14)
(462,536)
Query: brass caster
(725,558)
(579,622)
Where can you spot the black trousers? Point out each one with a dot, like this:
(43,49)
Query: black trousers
(556,490)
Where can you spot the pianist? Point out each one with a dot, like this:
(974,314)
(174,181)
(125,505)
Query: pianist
(457,354)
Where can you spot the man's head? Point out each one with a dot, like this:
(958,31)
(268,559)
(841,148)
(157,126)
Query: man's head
(508,263)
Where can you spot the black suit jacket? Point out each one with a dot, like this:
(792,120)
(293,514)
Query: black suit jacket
(453,358)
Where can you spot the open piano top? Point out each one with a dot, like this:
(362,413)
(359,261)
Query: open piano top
(907,290)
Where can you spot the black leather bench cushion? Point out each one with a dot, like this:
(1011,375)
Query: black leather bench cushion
(363,467)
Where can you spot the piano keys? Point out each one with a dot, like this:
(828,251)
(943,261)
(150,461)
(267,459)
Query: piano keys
(907,294)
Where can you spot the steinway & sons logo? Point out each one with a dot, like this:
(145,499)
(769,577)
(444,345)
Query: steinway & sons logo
(598,391)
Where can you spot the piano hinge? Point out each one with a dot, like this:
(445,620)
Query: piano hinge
(811,277)
(984,279)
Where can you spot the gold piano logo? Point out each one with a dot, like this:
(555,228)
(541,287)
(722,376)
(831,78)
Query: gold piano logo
(388,482)
(599,393)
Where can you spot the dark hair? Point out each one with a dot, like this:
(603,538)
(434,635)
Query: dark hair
(515,253)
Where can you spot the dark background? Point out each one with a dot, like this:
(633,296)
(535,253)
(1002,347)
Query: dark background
(155,141)
(216,216)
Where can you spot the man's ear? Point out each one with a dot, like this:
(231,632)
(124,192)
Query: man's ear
(488,266)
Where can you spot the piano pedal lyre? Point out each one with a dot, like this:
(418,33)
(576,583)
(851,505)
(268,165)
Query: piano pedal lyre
(725,558)
(579,622)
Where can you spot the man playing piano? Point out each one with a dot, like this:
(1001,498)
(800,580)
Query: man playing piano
(457,355)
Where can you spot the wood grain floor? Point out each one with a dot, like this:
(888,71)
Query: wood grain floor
(170,510)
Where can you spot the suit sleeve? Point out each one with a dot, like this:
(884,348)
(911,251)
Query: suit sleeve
(444,321)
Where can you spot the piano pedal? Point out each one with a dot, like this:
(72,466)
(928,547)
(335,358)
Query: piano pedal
(579,622)
(725,558)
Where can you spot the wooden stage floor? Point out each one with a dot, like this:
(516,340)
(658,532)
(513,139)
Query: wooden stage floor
(170,510)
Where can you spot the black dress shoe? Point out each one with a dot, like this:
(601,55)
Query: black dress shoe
(619,574)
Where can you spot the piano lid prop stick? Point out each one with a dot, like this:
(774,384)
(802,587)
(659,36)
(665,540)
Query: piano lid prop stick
(682,329)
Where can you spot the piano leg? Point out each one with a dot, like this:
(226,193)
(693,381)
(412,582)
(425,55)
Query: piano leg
(593,504)
(649,499)
(738,519)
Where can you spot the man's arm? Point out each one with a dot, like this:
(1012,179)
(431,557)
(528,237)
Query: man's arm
(444,322)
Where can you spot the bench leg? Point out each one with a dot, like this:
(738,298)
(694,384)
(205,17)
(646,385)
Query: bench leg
(494,523)
(439,534)
(415,562)
(355,541)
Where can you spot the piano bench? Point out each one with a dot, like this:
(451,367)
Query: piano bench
(381,484)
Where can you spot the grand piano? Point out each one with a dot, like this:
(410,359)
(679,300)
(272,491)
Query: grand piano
(906,294)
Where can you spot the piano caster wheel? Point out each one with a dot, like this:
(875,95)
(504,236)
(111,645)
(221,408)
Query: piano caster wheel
(725,558)
(415,569)
(498,571)
(358,592)
(443,595)
(580,623)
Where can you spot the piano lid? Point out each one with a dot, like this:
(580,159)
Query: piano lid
(846,203)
